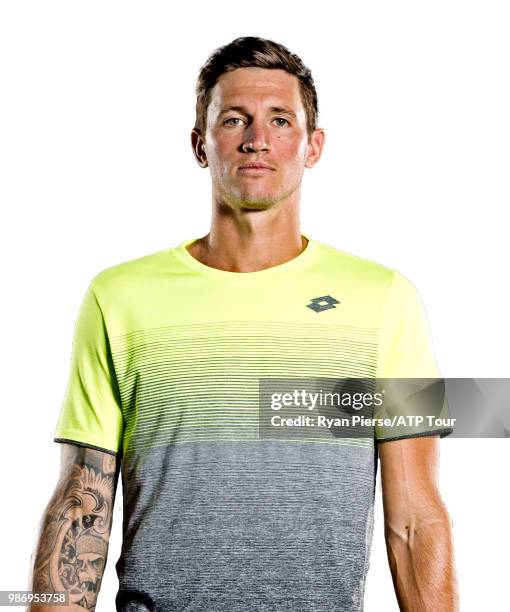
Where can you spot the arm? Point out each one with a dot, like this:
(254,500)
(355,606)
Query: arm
(418,529)
(72,544)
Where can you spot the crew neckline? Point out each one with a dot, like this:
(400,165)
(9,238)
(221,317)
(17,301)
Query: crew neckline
(186,257)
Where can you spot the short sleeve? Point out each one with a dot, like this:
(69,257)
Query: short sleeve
(406,352)
(91,412)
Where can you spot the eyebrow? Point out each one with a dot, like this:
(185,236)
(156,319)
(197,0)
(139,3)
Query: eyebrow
(273,109)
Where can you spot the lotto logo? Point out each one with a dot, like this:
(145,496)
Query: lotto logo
(325,302)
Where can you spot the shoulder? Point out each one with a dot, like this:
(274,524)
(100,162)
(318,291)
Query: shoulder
(362,268)
(130,274)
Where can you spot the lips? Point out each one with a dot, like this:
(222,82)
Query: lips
(255,166)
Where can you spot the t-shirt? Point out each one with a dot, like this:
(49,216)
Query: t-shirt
(166,369)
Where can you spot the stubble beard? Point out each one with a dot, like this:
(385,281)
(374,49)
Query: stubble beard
(242,201)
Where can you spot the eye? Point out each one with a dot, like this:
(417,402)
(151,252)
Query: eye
(281,119)
(226,122)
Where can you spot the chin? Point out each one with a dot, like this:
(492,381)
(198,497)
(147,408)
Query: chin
(253,200)
(247,204)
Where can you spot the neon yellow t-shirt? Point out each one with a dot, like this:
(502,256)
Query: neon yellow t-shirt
(166,363)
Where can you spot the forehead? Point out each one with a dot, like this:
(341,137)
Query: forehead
(252,86)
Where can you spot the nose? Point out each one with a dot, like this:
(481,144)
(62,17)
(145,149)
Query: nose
(255,138)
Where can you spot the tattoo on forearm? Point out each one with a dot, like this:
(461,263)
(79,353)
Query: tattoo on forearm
(73,543)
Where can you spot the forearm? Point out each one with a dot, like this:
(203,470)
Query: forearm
(54,564)
(421,559)
(72,545)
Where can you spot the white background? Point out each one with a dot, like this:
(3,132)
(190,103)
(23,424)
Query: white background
(96,108)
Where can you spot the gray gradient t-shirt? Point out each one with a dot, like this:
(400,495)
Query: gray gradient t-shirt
(167,359)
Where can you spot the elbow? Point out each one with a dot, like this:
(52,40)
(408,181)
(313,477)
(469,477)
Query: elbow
(406,529)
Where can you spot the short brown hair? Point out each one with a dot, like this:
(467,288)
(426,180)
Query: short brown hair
(248,52)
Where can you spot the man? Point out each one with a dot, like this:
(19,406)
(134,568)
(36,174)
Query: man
(169,357)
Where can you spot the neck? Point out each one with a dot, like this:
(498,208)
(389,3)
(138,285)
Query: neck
(249,241)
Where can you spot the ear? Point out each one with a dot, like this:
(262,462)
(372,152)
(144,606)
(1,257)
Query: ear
(198,146)
(315,147)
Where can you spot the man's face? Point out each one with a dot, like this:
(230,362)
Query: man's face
(256,115)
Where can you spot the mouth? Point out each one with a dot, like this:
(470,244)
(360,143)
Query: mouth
(255,168)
